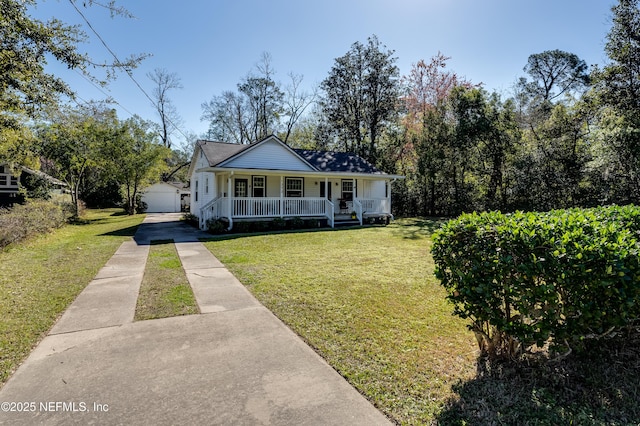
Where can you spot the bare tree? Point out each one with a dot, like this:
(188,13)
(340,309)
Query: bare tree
(258,108)
(227,117)
(296,102)
(169,117)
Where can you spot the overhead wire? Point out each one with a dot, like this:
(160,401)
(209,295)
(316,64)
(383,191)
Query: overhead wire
(103,92)
(120,65)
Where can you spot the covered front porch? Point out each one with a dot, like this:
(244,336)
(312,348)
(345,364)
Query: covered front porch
(261,195)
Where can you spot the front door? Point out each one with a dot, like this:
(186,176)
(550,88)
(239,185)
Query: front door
(241,188)
(324,192)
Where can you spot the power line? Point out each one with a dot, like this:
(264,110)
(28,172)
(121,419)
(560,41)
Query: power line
(118,64)
(103,92)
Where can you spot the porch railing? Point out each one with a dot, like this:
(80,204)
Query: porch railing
(357,205)
(265,207)
(275,207)
(305,207)
(256,207)
(375,205)
(270,207)
(214,209)
(329,207)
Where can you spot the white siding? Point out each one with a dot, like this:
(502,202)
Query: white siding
(201,162)
(206,194)
(372,189)
(195,196)
(273,186)
(222,186)
(310,187)
(201,198)
(269,155)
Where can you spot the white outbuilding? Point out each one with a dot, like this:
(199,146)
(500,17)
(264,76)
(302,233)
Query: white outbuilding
(167,197)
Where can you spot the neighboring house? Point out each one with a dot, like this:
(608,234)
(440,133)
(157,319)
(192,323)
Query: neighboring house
(268,179)
(167,197)
(10,185)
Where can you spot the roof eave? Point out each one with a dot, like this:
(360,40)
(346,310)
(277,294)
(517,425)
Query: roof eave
(300,172)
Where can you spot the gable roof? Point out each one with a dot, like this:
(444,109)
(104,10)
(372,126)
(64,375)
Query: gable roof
(223,155)
(327,161)
(172,186)
(217,152)
(269,154)
(43,175)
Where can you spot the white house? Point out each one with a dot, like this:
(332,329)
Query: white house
(166,197)
(268,179)
(10,185)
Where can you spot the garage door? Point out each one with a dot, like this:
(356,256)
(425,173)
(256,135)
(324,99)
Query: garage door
(161,202)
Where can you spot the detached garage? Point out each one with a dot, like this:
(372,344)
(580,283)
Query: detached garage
(166,197)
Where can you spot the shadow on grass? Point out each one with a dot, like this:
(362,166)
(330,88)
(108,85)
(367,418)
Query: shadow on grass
(415,228)
(598,387)
(124,232)
(160,242)
(408,228)
(233,236)
(97,220)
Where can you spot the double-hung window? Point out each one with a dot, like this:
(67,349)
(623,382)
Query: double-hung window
(347,190)
(294,187)
(259,186)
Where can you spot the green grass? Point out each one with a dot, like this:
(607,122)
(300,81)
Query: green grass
(40,277)
(165,291)
(367,301)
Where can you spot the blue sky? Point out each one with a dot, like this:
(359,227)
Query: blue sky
(212,44)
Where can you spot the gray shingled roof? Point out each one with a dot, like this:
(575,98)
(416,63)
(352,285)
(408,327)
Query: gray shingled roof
(217,152)
(326,161)
(44,176)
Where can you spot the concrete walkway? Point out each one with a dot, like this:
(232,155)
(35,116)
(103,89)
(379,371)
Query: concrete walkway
(235,363)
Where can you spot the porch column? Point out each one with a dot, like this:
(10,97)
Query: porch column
(326,188)
(281,196)
(355,197)
(230,194)
(388,188)
(326,195)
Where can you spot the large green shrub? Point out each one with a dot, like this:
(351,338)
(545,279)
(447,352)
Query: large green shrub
(216,226)
(528,279)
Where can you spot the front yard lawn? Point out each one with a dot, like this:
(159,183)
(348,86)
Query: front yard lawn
(367,301)
(40,277)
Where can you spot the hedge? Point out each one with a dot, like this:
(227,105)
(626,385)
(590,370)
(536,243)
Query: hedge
(34,217)
(219,226)
(531,279)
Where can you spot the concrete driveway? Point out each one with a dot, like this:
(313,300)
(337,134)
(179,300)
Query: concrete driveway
(235,363)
